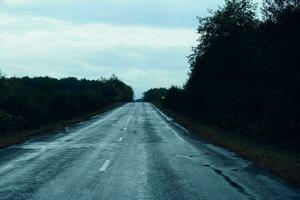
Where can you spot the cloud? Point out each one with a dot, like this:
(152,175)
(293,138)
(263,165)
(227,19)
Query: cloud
(143,56)
(155,13)
(144,42)
(33,2)
(175,13)
(40,32)
(16,2)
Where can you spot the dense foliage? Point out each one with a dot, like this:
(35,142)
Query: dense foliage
(245,72)
(155,95)
(27,103)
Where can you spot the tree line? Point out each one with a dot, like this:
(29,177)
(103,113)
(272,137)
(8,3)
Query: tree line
(27,103)
(244,72)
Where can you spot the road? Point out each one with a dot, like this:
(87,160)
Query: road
(131,152)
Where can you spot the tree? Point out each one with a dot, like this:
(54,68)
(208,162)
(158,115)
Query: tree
(173,98)
(155,95)
(245,73)
(217,60)
(27,103)
(273,10)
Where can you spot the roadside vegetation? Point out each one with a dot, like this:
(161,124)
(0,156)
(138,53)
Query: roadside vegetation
(30,104)
(245,80)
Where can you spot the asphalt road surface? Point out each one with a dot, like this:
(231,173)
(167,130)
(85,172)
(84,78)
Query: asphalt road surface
(131,152)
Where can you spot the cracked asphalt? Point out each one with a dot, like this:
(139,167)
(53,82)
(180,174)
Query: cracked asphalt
(131,152)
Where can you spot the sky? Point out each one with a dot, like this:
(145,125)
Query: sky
(143,42)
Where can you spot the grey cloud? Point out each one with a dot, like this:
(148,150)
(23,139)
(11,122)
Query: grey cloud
(167,13)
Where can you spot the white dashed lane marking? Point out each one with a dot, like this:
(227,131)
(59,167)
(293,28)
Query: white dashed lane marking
(104,166)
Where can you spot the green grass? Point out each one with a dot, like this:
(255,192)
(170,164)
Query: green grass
(280,161)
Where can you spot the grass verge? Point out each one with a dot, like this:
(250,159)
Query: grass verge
(284,163)
(21,136)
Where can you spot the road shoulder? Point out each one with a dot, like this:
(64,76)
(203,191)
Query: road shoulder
(282,163)
(21,136)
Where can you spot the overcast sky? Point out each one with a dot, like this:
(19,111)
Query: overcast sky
(143,42)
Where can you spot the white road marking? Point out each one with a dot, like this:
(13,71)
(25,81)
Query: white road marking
(104,166)
(94,117)
(121,139)
(169,119)
(176,134)
(181,127)
(163,114)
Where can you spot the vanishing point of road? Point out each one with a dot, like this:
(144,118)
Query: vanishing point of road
(131,152)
